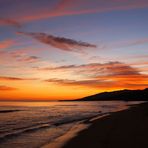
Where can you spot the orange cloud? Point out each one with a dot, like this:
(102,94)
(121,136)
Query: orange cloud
(6,88)
(5,78)
(121,82)
(107,75)
(84,83)
(107,83)
(98,69)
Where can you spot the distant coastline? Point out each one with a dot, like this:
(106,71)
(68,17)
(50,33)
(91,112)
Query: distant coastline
(120,95)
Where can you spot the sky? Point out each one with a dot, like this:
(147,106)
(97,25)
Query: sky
(67,49)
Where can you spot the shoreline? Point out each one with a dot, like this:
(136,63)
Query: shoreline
(79,127)
(60,141)
(73,132)
(125,129)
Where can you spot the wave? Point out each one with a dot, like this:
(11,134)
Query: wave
(9,111)
(68,105)
(84,119)
(22,131)
(43,126)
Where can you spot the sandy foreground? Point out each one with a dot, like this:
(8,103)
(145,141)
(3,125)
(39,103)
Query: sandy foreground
(123,129)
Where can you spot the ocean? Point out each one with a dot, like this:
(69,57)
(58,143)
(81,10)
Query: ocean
(35,124)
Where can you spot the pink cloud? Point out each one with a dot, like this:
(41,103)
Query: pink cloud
(65,8)
(75,7)
(128,43)
(10,22)
(18,57)
(7,43)
(30,59)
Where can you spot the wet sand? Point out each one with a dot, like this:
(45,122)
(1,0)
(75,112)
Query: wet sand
(123,129)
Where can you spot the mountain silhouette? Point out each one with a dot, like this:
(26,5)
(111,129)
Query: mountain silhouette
(125,95)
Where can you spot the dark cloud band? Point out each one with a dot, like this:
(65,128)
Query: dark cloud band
(60,42)
(10,22)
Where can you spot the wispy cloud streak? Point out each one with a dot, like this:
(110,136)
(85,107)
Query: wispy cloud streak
(6,88)
(97,69)
(76,7)
(10,22)
(48,9)
(128,43)
(60,42)
(6,78)
(107,75)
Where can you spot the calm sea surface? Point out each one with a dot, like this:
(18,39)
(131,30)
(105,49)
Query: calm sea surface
(34,124)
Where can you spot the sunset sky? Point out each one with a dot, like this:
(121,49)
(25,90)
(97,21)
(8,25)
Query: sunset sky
(66,49)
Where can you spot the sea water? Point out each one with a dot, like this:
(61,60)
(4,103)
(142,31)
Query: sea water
(34,124)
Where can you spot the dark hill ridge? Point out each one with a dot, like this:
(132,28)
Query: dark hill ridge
(125,95)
